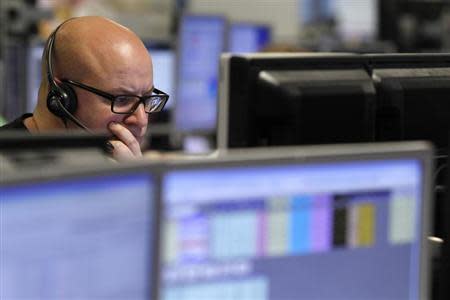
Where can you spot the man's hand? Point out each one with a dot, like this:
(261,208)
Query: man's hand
(126,146)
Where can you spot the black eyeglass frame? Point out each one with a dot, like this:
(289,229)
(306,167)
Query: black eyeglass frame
(113,98)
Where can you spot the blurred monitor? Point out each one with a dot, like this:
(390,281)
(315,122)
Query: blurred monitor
(52,151)
(20,140)
(353,20)
(272,99)
(197,144)
(357,20)
(316,11)
(343,222)
(248,37)
(164,60)
(201,41)
(34,69)
(79,235)
(412,92)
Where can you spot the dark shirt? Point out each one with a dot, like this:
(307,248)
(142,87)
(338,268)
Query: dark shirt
(17,124)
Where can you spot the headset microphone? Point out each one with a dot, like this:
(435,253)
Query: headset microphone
(108,146)
(72,117)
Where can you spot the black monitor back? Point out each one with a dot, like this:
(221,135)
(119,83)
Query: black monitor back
(19,140)
(20,149)
(295,99)
(412,97)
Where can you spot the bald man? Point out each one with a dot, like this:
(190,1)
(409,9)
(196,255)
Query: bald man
(98,76)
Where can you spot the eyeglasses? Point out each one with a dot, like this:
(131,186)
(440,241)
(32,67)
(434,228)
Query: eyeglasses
(127,104)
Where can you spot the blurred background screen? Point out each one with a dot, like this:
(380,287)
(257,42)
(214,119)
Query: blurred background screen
(83,236)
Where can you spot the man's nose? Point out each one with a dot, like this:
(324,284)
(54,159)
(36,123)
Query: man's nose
(139,117)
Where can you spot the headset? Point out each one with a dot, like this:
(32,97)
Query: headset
(61,99)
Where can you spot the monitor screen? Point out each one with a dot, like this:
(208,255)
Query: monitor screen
(78,237)
(269,99)
(201,41)
(247,37)
(34,69)
(163,59)
(348,229)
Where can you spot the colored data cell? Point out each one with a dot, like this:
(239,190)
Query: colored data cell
(366,225)
(402,219)
(234,235)
(300,233)
(247,289)
(170,242)
(277,228)
(321,227)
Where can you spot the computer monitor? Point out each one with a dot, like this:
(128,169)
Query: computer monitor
(412,97)
(164,63)
(346,222)
(87,234)
(201,41)
(248,37)
(34,69)
(269,99)
(20,140)
(53,150)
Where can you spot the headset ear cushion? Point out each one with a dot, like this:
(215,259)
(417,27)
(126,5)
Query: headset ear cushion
(54,101)
(63,96)
(70,100)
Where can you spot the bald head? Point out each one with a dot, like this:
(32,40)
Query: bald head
(103,54)
(92,48)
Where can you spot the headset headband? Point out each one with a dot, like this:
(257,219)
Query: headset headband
(49,55)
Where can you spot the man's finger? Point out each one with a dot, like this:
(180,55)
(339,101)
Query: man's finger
(126,137)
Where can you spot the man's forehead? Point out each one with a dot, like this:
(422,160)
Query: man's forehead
(127,90)
(100,47)
(110,58)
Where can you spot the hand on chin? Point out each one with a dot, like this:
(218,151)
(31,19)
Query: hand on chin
(126,144)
